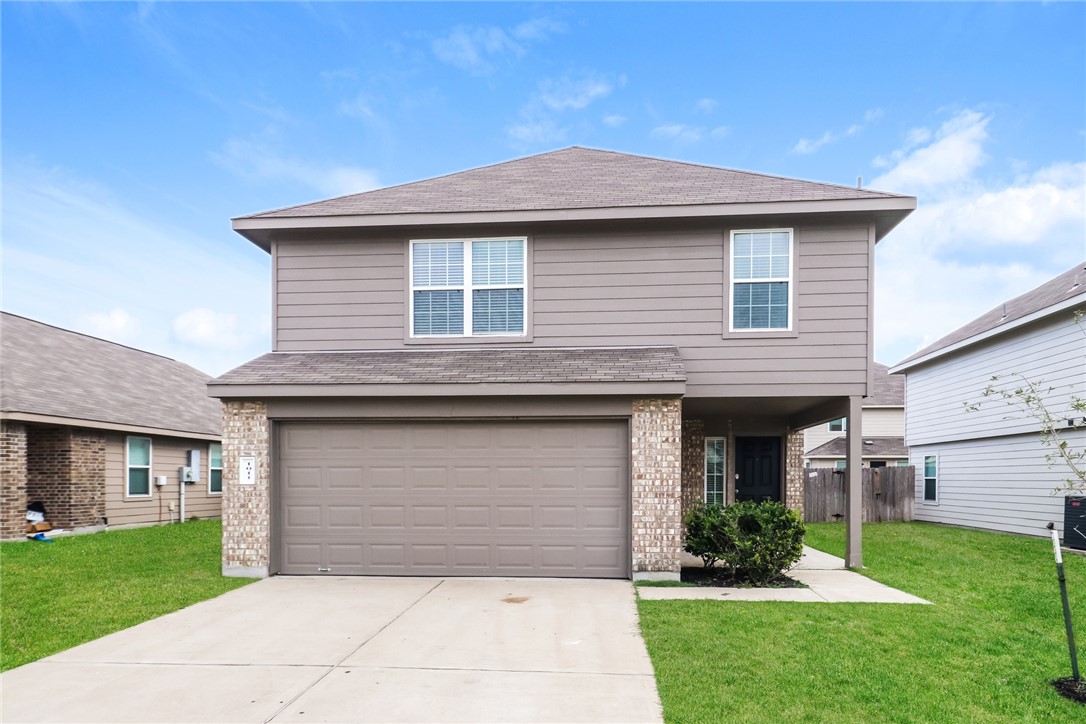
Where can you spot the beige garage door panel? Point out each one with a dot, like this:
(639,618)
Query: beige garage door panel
(455,498)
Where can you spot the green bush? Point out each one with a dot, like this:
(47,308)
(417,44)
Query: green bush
(756,541)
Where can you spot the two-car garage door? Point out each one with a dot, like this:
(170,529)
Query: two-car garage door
(513,498)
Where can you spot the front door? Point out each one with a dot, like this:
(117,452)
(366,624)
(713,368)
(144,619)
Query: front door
(758,468)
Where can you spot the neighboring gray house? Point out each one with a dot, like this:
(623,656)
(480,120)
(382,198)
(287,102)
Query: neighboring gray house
(986,468)
(86,427)
(533,368)
(883,429)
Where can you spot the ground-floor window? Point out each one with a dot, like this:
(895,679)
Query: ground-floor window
(931,478)
(715,488)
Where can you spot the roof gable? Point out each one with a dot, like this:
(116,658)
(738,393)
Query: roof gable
(576,178)
(55,372)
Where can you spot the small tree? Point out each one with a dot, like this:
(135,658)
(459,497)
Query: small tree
(1029,398)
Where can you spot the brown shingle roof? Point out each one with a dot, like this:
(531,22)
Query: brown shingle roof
(877,447)
(1070,284)
(576,178)
(889,389)
(502,366)
(51,371)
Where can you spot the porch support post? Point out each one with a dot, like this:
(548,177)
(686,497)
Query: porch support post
(853,483)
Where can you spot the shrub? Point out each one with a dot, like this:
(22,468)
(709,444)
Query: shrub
(756,541)
(702,524)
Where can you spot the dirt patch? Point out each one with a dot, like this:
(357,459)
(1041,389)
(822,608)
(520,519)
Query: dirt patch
(722,578)
(515,599)
(1071,689)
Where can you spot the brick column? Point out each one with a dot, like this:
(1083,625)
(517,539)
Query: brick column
(794,472)
(656,462)
(246,509)
(87,493)
(12,480)
(693,487)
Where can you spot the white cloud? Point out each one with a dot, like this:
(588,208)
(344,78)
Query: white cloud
(479,49)
(535,132)
(807,146)
(955,153)
(554,98)
(117,272)
(258,160)
(203,327)
(613,120)
(360,107)
(116,325)
(684,133)
(974,241)
(706,105)
(568,93)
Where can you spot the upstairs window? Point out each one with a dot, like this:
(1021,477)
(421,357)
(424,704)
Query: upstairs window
(840,425)
(761,280)
(468,288)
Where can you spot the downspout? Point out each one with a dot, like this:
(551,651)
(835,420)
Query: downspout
(181,494)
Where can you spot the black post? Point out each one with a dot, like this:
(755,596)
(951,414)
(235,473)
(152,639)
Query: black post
(1066,604)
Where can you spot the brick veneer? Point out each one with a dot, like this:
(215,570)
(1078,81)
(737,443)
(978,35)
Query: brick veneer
(693,486)
(66,471)
(12,479)
(246,509)
(794,472)
(656,462)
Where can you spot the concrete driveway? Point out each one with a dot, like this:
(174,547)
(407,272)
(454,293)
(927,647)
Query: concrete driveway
(360,649)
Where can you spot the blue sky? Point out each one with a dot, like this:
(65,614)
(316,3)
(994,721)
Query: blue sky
(132,133)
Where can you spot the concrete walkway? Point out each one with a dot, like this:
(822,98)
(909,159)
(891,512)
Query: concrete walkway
(827,580)
(292,649)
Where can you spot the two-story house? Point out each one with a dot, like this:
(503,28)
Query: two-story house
(981,462)
(533,368)
(882,427)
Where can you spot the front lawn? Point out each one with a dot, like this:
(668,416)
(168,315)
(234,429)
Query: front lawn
(984,652)
(56,595)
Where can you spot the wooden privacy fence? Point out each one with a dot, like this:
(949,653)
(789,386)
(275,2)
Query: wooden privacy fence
(887,494)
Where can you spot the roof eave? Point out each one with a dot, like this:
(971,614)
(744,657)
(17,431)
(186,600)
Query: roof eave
(227,391)
(889,211)
(910,363)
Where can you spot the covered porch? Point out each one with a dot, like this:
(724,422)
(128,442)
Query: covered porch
(740,448)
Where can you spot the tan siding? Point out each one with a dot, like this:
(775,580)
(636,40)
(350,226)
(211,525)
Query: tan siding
(614,288)
(167,456)
(876,422)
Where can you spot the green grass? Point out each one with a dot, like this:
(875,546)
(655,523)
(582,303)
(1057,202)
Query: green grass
(56,595)
(984,652)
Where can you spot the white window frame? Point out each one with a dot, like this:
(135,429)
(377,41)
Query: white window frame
(842,420)
(705,469)
(840,464)
(211,468)
(924,479)
(467,288)
(150,466)
(733,281)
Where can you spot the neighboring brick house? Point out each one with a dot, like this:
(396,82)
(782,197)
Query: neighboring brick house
(882,427)
(533,368)
(86,427)
(986,467)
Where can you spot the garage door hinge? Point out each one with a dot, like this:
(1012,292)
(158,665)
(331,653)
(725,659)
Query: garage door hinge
(324,570)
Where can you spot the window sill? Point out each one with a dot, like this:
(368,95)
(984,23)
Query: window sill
(477,340)
(767,334)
